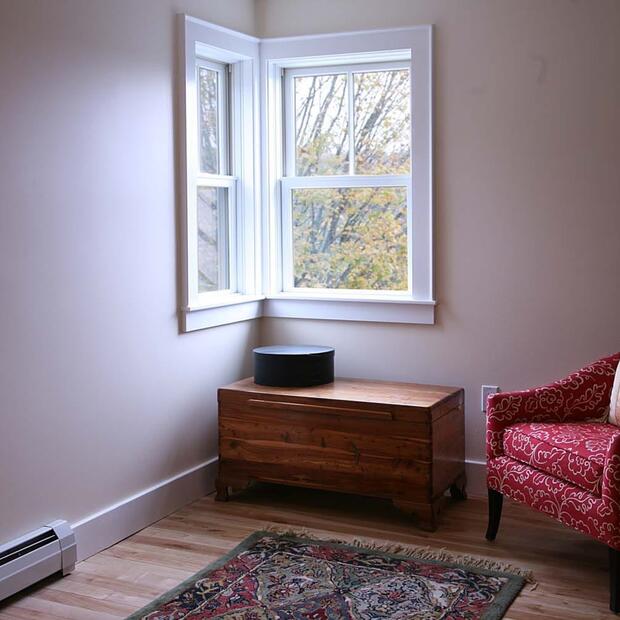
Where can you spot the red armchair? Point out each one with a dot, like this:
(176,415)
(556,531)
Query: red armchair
(550,448)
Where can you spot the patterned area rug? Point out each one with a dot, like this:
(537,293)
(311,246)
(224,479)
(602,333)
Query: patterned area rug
(284,577)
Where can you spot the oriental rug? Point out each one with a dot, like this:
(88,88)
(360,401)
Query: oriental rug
(287,577)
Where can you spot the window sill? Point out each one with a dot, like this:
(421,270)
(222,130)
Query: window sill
(222,311)
(381,309)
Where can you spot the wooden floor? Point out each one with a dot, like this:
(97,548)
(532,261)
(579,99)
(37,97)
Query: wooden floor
(571,570)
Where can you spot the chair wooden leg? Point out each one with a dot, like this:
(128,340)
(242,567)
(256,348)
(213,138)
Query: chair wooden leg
(614,580)
(496,500)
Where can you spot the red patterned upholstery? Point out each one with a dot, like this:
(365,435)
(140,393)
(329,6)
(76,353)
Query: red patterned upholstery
(549,448)
(573,452)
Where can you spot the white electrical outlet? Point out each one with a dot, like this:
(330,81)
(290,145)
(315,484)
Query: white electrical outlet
(486,391)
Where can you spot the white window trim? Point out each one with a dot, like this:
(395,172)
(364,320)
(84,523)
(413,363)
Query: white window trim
(257,260)
(306,53)
(205,43)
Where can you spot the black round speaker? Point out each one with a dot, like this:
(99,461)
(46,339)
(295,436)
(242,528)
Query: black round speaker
(293,365)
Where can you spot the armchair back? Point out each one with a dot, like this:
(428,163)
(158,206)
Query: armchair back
(582,396)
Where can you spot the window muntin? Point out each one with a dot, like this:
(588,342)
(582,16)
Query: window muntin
(346,216)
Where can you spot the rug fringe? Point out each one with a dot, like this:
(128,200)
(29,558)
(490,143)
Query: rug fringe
(413,551)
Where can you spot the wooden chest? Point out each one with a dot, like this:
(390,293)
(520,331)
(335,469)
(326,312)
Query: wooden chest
(400,441)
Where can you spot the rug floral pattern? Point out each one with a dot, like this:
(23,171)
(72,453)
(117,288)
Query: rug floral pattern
(276,577)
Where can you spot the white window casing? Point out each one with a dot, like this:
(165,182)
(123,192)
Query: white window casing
(220,49)
(259,226)
(321,54)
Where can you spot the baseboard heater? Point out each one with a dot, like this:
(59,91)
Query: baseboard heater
(36,555)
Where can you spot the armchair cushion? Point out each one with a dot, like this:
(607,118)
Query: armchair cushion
(573,452)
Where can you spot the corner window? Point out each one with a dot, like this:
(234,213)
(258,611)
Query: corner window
(308,189)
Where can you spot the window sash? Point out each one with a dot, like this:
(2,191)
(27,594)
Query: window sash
(228,253)
(290,112)
(223,116)
(288,184)
(228,250)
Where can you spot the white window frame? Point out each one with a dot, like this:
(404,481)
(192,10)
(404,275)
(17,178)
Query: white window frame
(236,57)
(314,54)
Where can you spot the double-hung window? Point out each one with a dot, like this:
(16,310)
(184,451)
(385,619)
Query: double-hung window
(221,216)
(347,188)
(346,195)
(215,186)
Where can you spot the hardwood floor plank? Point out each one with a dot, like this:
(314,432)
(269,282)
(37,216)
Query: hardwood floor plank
(571,569)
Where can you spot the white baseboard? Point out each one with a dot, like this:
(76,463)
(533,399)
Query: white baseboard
(114,523)
(476,478)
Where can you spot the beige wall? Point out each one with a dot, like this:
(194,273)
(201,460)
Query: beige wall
(99,395)
(527,171)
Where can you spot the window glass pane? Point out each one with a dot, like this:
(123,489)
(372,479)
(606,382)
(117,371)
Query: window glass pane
(321,125)
(209,131)
(382,122)
(350,238)
(213,263)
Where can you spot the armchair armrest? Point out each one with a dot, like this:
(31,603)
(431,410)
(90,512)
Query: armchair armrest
(583,395)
